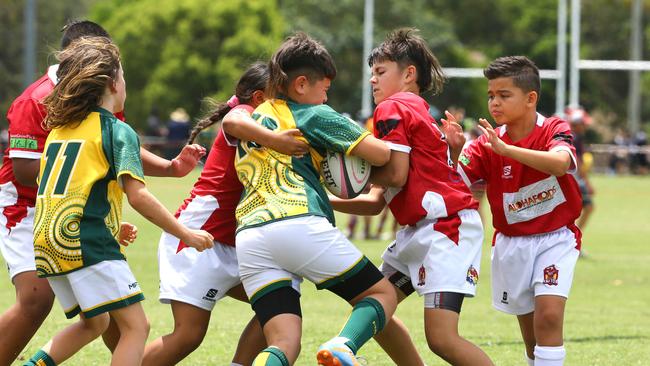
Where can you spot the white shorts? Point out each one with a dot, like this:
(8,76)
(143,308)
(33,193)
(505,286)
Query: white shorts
(527,266)
(93,290)
(17,243)
(196,278)
(441,255)
(280,253)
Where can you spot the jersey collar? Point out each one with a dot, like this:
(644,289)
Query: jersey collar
(51,73)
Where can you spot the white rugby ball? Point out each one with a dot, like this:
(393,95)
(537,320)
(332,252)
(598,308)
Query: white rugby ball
(345,176)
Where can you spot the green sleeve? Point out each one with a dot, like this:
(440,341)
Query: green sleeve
(126,152)
(325,128)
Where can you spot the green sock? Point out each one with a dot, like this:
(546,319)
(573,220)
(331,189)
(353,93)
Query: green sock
(366,320)
(271,356)
(40,358)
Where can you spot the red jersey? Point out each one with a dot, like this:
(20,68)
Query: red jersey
(525,201)
(26,140)
(219,183)
(433,188)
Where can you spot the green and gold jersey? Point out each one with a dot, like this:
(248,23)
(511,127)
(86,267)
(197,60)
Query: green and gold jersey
(278,186)
(79,198)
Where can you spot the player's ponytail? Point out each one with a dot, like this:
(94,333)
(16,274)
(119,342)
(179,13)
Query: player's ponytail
(86,68)
(254,79)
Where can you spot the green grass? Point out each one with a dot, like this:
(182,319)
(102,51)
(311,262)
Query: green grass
(607,319)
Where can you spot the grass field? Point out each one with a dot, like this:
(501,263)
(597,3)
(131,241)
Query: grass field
(607,320)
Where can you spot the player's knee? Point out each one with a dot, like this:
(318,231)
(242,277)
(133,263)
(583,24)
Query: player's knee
(97,324)
(188,338)
(141,327)
(547,320)
(36,305)
(439,343)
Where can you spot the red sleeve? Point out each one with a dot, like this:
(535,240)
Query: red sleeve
(26,134)
(391,125)
(473,161)
(559,137)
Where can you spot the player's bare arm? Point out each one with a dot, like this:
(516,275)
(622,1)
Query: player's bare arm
(155,166)
(373,150)
(26,170)
(394,173)
(239,124)
(148,206)
(554,162)
(369,204)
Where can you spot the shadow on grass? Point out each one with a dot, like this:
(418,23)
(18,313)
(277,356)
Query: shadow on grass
(607,338)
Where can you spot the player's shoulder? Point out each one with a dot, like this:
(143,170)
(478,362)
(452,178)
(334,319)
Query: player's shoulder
(552,122)
(33,95)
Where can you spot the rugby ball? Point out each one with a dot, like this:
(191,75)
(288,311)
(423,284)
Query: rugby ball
(345,176)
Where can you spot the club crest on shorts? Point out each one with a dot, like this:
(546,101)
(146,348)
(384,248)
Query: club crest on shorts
(422,276)
(550,275)
(472,275)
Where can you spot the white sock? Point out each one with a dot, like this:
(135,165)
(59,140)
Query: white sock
(530,361)
(235,364)
(549,356)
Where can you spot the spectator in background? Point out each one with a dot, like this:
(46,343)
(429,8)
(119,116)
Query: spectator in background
(178,131)
(618,159)
(154,125)
(579,120)
(638,157)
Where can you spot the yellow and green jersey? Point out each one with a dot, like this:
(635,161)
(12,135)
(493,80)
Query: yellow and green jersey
(278,186)
(79,198)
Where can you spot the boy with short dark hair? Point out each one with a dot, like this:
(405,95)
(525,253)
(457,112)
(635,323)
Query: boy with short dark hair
(285,222)
(534,204)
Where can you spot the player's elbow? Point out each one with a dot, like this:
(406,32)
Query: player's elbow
(561,169)
(135,200)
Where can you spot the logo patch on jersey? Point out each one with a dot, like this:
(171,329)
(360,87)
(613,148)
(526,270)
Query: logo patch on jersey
(211,294)
(23,143)
(464,159)
(422,276)
(391,247)
(133,286)
(507,170)
(533,201)
(504,298)
(384,127)
(472,275)
(551,274)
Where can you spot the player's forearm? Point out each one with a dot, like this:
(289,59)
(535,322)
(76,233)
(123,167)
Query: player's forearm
(150,208)
(364,204)
(555,162)
(394,173)
(26,171)
(155,166)
(454,153)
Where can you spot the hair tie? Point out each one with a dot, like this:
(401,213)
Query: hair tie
(233,101)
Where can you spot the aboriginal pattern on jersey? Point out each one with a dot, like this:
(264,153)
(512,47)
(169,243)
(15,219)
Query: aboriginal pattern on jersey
(79,201)
(278,186)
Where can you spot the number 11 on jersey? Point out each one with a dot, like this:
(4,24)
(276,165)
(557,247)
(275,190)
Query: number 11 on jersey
(68,151)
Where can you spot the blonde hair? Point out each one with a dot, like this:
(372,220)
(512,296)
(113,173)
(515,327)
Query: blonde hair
(86,67)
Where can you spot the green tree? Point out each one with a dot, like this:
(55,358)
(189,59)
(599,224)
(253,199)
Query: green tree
(50,18)
(339,25)
(176,53)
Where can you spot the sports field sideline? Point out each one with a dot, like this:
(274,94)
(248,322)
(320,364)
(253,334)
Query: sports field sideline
(607,318)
